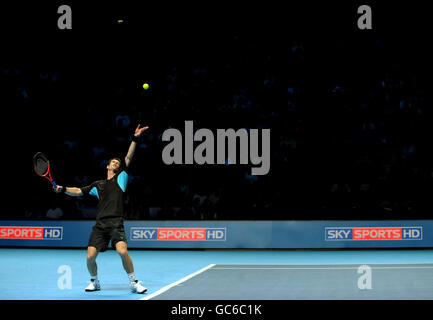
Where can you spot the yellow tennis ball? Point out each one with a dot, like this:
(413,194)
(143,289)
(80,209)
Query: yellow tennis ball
(145,86)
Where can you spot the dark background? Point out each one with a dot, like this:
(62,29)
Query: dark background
(349,110)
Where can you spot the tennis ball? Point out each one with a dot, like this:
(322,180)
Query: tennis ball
(145,86)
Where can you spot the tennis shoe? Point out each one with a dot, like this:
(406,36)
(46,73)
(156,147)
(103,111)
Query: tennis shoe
(137,287)
(93,286)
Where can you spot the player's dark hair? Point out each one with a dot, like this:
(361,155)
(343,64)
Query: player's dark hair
(120,161)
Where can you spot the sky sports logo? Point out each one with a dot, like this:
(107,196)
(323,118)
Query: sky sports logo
(372,233)
(177,234)
(31,233)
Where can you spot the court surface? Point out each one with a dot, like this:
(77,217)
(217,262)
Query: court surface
(61,274)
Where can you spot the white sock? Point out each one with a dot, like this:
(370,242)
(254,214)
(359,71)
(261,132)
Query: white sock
(95,278)
(132,277)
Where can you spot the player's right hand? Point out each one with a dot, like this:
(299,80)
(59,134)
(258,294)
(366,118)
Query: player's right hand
(58,189)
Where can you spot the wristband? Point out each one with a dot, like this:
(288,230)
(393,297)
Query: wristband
(135,138)
(63,190)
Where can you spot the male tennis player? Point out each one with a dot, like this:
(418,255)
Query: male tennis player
(109,220)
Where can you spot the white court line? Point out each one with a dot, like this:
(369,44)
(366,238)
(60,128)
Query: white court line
(167,287)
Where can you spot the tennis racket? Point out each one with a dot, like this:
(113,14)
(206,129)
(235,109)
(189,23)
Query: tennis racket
(42,167)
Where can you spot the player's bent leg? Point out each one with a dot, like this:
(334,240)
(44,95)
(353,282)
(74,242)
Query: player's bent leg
(94,284)
(135,285)
(92,253)
(122,250)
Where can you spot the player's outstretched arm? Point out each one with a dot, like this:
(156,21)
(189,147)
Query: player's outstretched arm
(133,145)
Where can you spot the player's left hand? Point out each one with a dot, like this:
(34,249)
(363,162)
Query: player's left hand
(139,131)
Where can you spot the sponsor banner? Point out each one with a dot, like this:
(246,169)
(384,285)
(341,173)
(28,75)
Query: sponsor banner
(177,234)
(227,234)
(373,233)
(33,233)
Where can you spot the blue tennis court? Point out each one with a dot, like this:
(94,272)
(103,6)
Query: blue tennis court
(61,274)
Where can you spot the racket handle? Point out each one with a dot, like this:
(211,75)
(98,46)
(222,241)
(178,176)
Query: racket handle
(54,184)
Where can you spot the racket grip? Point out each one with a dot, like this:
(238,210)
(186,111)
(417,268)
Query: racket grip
(54,184)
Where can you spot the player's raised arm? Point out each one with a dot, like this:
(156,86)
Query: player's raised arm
(133,145)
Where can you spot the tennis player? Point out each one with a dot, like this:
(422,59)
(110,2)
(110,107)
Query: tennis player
(109,220)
